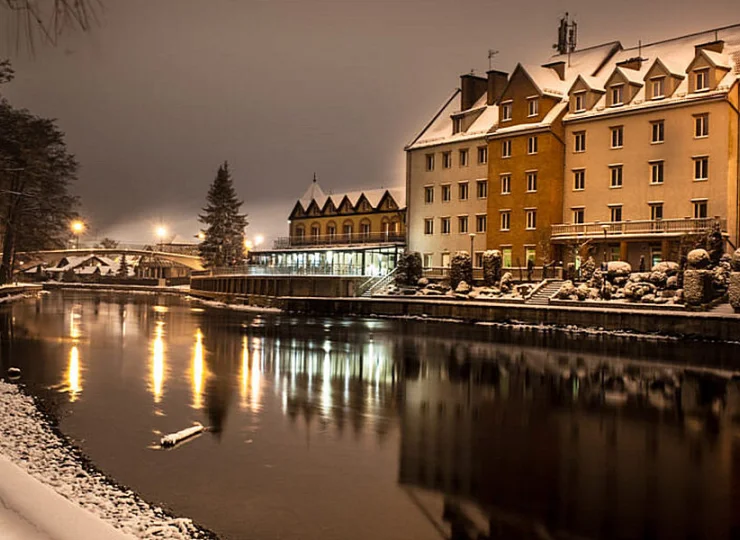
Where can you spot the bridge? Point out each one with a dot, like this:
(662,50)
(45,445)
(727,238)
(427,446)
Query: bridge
(191,261)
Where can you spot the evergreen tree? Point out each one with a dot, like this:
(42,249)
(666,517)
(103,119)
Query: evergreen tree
(223,244)
(123,267)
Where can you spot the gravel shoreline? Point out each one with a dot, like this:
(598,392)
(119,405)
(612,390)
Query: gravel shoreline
(30,440)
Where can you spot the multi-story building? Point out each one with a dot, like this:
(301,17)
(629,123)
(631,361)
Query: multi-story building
(652,148)
(447,173)
(356,233)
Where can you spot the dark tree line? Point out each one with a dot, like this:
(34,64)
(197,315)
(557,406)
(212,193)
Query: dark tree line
(35,173)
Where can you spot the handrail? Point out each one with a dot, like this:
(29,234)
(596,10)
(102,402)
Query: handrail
(596,229)
(339,239)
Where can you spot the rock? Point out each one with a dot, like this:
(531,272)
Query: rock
(734,290)
(648,299)
(725,261)
(669,268)
(14,373)
(431,292)
(657,278)
(582,291)
(671,282)
(422,282)
(720,280)
(635,291)
(618,269)
(593,293)
(661,300)
(524,289)
(735,262)
(506,282)
(566,290)
(637,277)
(697,285)
(462,288)
(619,281)
(597,279)
(698,259)
(437,287)
(678,298)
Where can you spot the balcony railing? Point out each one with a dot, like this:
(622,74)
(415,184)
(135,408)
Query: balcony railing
(648,227)
(339,239)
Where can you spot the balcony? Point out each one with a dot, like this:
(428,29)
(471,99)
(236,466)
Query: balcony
(329,240)
(648,228)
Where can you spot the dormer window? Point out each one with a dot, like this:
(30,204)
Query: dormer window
(506,111)
(657,88)
(616,95)
(579,102)
(533,107)
(456,125)
(701,80)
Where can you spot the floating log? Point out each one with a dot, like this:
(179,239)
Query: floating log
(172,439)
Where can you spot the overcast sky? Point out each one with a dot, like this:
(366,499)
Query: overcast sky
(162,91)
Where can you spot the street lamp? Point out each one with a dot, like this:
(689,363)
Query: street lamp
(77,227)
(472,239)
(161,232)
(605,228)
(258,240)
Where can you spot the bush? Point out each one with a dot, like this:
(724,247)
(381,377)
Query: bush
(588,268)
(492,263)
(409,270)
(461,269)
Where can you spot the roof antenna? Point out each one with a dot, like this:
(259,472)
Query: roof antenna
(639,48)
(314,178)
(491,54)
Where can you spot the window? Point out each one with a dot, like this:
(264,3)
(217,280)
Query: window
(616,95)
(315,231)
(700,209)
(462,224)
(331,231)
(445,260)
(427,260)
(505,184)
(530,254)
(365,229)
(701,125)
(579,101)
(506,257)
(482,155)
(616,176)
(531,219)
(701,80)
(428,226)
(446,160)
(478,259)
(505,149)
(347,229)
(446,193)
(445,224)
(579,139)
(532,181)
(464,157)
(578,215)
(456,125)
(657,87)
(430,162)
(505,220)
(532,145)
(506,111)
(701,168)
(656,172)
(481,189)
(579,180)
(616,212)
(656,211)
(429,194)
(617,136)
(463,189)
(300,232)
(533,107)
(657,129)
(481,223)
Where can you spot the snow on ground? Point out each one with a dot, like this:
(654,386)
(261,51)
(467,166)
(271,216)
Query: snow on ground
(234,307)
(28,441)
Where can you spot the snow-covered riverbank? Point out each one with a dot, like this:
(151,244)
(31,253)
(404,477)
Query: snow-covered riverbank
(28,441)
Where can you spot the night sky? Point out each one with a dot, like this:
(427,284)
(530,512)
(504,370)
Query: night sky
(161,92)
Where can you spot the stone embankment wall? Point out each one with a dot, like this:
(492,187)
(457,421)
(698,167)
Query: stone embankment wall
(244,286)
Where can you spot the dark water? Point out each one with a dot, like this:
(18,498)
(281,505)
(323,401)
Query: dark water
(367,429)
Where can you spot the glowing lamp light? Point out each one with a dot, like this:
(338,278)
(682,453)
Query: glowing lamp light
(161,231)
(258,239)
(248,244)
(77,226)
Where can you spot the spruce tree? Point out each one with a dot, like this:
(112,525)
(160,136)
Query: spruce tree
(223,244)
(123,267)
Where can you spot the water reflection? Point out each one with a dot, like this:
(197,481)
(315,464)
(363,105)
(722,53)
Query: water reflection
(197,372)
(74,381)
(158,367)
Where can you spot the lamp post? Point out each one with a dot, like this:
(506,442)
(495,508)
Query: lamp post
(77,227)
(472,243)
(161,232)
(605,228)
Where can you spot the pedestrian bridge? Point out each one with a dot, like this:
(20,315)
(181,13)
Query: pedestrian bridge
(191,261)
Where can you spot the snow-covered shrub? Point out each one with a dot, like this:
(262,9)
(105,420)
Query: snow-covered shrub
(671,283)
(636,290)
(715,244)
(720,280)
(566,290)
(588,268)
(492,263)
(734,290)
(582,291)
(462,288)
(506,282)
(698,259)
(669,268)
(735,263)
(697,286)
(524,289)
(597,279)
(637,277)
(618,269)
(409,269)
(657,278)
(422,282)
(461,269)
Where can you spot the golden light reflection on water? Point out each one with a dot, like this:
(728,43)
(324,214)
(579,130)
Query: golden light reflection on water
(244,377)
(157,386)
(250,377)
(197,372)
(74,380)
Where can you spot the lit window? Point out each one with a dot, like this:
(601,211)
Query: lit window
(701,80)
(616,95)
(462,224)
(579,180)
(578,215)
(579,140)
(481,188)
(531,181)
(657,131)
(533,107)
(701,168)
(482,155)
(616,212)
(505,184)
(481,223)
(446,160)
(428,226)
(430,162)
(505,220)
(531,219)
(617,137)
(616,176)
(445,223)
(701,125)
(532,145)
(429,194)
(505,111)
(463,189)
(700,209)
(464,157)
(656,211)
(656,172)
(505,149)
(446,193)
(657,87)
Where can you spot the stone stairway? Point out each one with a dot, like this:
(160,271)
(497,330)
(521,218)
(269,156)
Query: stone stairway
(542,297)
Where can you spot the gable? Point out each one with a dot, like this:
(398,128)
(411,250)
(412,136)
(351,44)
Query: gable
(387,202)
(345,207)
(520,85)
(298,211)
(363,205)
(313,209)
(329,207)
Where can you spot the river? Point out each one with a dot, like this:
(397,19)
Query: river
(380,428)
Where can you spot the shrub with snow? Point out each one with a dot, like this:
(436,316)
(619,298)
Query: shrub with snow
(492,263)
(618,269)
(588,268)
(507,281)
(735,263)
(597,279)
(698,259)
(657,278)
(461,269)
(422,282)
(566,290)
(734,291)
(669,268)
(636,290)
(462,288)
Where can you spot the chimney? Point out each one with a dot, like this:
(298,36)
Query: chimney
(473,87)
(557,67)
(717,46)
(496,83)
(632,63)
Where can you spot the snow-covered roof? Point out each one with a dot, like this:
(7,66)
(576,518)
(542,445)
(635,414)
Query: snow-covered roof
(313,193)
(374,197)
